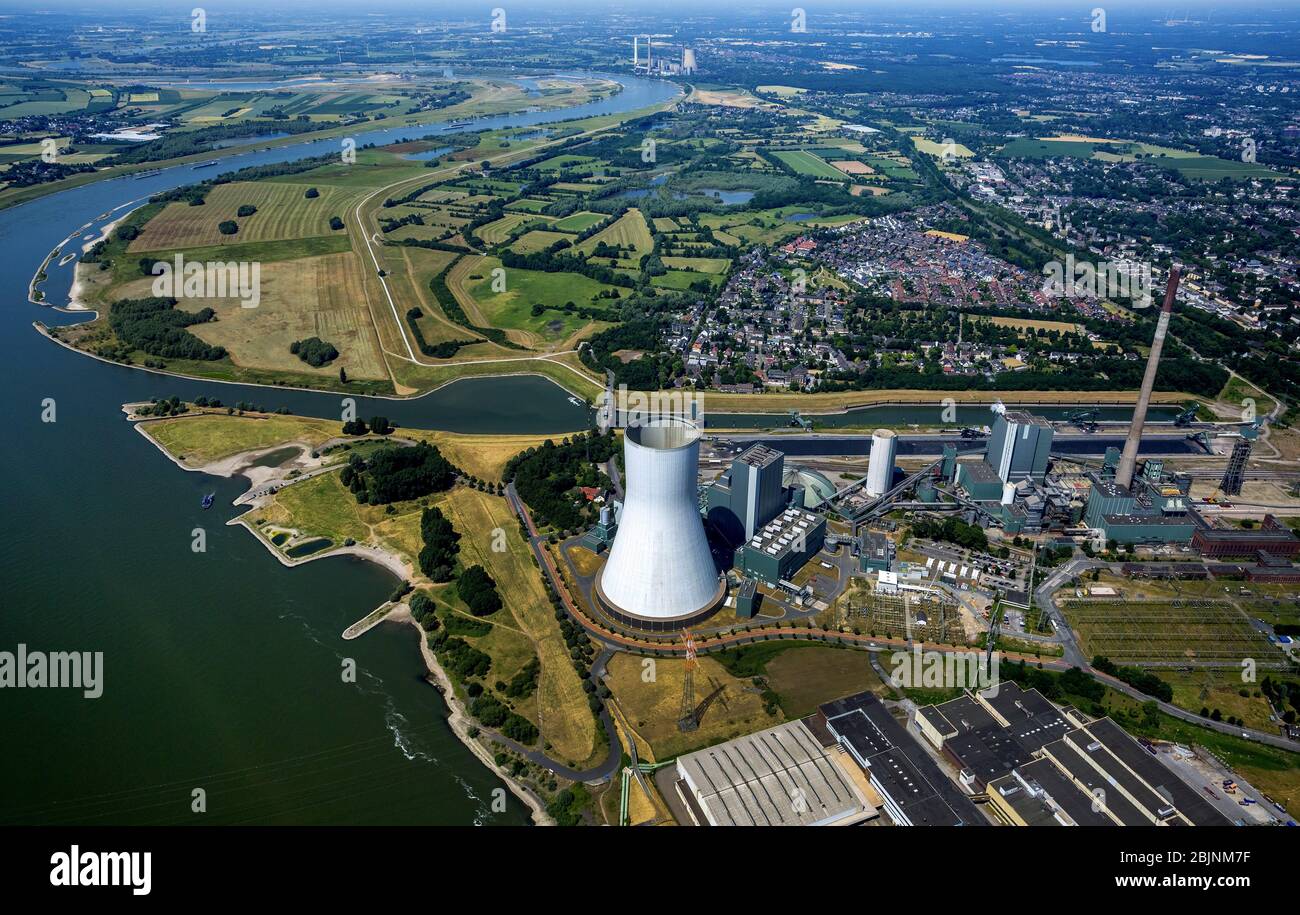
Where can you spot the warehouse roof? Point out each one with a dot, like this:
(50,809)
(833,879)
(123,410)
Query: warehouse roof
(777,777)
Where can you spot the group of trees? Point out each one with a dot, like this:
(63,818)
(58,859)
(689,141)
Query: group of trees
(378,425)
(441,544)
(398,474)
(952,530)
(479,591)
(494,713)
(155,326)
(1135,677)
(547,477)
(314,351)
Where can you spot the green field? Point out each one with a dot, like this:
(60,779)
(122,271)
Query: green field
(512,309)
(805,163)
(577,222)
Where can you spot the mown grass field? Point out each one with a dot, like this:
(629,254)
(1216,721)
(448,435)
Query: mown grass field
(283,212)
(805,163)
(630,230)
(652,706)
(308,297)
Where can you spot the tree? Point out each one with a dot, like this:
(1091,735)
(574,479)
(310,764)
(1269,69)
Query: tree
(336,223)
(311,193)
(228,227)
(246,210)
(343,375)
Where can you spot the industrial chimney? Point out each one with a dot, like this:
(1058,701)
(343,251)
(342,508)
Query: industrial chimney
(660,574)
(1128,460)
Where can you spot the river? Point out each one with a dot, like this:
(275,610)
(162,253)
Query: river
(222,669)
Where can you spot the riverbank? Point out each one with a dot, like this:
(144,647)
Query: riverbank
(269,480)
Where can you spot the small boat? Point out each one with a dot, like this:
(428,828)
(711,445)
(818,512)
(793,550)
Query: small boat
(206,165)
(209,499)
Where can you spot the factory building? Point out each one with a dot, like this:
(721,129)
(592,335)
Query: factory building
(1019,446)
(880,466)
(782,776)
(748,494)
(875,552)
(780,549)
(1270,537)
(912,787)
(980,481)
(1154,509)
(1039,767)
(660,574)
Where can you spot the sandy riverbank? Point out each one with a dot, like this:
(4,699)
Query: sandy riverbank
(461,723)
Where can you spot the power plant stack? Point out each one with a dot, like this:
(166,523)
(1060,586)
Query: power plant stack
(660,574)
(880,466)
(1128,458)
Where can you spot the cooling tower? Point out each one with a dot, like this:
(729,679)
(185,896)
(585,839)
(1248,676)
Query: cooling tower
(880,466)
(660,574)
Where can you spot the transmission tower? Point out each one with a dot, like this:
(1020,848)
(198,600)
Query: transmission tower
(688,721)
(1236,472)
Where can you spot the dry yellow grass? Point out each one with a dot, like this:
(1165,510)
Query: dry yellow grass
(308,297)
(565,719)
(653,707)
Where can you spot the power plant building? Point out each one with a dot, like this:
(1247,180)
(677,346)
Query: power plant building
(748,494)
(777,551)
(880,466)
(660,574)
(1019,446)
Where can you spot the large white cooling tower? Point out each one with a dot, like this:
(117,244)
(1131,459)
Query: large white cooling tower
(880,466)
(660,574)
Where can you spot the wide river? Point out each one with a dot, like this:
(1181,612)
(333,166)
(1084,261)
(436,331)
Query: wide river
(222,669)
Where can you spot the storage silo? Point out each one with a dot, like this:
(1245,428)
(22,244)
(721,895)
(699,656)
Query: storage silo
(660,573)
(880,466)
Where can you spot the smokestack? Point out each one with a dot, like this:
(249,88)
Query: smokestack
(1128,460)
(636,52)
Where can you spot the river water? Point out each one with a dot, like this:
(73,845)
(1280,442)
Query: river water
(222,669)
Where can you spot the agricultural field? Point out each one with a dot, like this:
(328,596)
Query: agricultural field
(283,211)
(1031,324)
(630,231)
(940,150)
(1194,631)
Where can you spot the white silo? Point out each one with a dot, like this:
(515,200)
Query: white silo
(880,467)
(660,573)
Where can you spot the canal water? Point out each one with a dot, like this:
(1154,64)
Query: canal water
(222,670)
